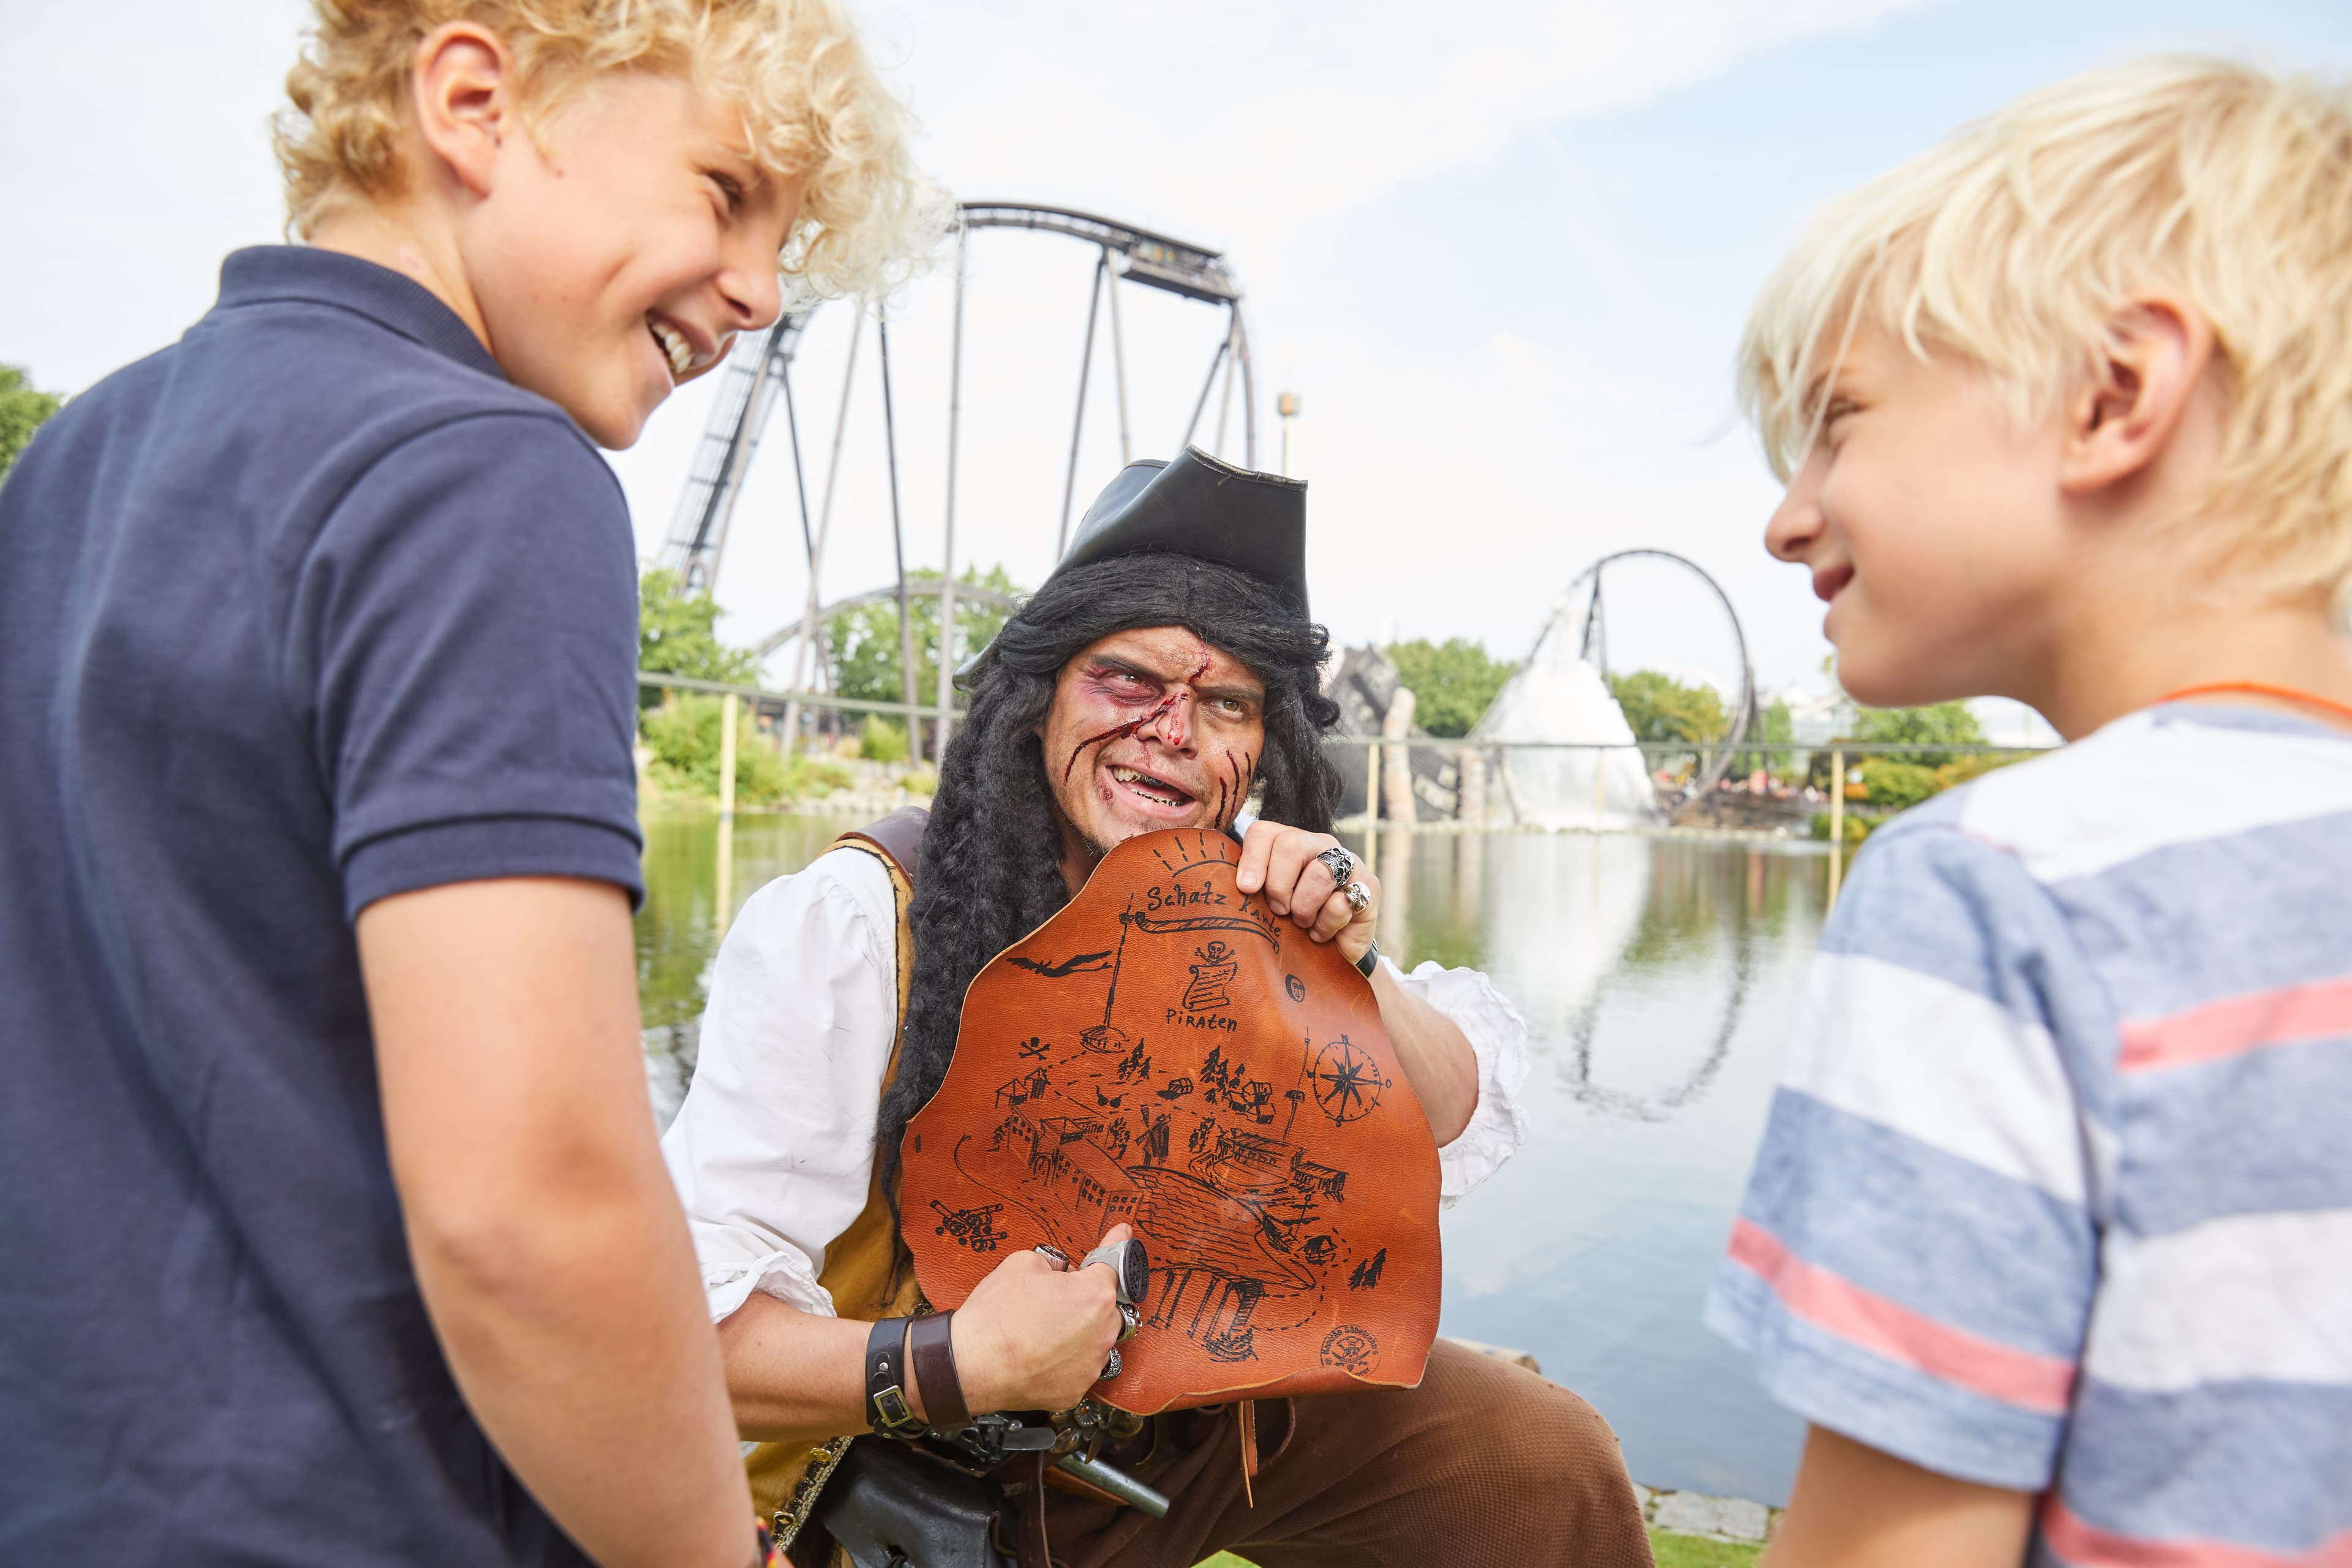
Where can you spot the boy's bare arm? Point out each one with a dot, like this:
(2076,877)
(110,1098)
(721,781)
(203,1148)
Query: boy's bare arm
(1855,1507)
(548,1241)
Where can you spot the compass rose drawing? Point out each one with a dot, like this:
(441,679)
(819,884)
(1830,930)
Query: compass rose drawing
(1348,1084)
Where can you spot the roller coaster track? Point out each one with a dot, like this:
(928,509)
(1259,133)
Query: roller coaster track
(761,367)
(1596,652)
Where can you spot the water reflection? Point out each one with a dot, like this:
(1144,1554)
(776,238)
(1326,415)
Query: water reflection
(1687,929)
(1577,1070)
(680,926)
(1658,979)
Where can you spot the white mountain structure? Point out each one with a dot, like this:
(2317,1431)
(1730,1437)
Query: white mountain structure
(1557,696)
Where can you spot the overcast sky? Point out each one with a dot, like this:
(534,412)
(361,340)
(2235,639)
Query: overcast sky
(1501,251)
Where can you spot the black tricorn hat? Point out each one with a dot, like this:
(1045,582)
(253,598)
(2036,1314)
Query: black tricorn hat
(1199,507)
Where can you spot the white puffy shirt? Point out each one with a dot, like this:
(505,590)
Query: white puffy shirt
(772,1151)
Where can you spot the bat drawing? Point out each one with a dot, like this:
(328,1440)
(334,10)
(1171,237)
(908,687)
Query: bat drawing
(1083,963)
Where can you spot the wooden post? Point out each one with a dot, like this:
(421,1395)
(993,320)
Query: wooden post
(729,710)
(1470,775)
(1600,786)
(1395,928)
(722,909)
(1837,822)
(730,713)
(1372,809)
(1396,793)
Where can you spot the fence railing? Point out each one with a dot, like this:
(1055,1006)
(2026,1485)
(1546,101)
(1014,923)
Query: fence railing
(1400,775)
(824,699)
(806,699)
(1688,748)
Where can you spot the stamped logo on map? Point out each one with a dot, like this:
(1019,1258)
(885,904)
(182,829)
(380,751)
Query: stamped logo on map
(1351,1349)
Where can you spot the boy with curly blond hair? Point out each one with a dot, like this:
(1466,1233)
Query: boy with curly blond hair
(335,1229)
(2050,1235)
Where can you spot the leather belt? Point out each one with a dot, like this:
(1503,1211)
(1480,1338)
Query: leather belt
(931,1349)
(887,1409)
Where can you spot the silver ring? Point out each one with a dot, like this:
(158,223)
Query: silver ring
(1130,1319)
(1342,862)
(1053,1253)
(1111,1367)
(1358,897)
(1129,1265)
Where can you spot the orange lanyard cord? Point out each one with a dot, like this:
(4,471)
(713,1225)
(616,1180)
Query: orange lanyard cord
(2260,688)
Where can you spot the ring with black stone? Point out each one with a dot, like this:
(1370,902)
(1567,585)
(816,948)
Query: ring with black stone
(1130,1265)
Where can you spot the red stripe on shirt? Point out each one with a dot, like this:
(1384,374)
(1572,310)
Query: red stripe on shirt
(1827,1300)
(2085,1545)
(2236,1025)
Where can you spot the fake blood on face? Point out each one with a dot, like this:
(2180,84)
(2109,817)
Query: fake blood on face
(1240,772)
(1133,726)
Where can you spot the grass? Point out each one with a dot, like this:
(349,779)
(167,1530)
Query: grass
(1672,1552)
(1699,1552)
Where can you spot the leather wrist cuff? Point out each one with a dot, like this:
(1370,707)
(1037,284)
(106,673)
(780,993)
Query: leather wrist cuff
(930,1350)
(887,1409)
(1369,965)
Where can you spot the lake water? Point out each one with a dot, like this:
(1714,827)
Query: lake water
(1659,979)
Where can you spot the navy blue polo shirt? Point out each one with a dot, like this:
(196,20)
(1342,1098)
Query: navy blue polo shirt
(311,609)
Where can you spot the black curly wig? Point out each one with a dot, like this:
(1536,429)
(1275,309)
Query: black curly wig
(992,860)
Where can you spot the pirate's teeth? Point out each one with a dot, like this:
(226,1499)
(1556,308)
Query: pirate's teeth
(1145,782)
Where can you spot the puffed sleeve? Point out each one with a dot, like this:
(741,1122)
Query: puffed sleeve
(772,1151)
(1499,1036)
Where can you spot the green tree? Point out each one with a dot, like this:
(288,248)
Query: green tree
(22,411)
(1892,784)
(1898,781)
(684,737)
(1775,727)
(863,642)
(1941,724)
(1451,682)
(882,740)
(676,635)
(1662,710)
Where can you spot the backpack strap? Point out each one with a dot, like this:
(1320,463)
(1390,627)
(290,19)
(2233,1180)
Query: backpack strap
(900,837)
(898,842)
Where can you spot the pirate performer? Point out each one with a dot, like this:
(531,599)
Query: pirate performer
(1166,674)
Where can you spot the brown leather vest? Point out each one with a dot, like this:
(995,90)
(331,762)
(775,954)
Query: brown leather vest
(1167,1052)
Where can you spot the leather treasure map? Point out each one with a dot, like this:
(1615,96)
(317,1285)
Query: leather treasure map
(1168,1052)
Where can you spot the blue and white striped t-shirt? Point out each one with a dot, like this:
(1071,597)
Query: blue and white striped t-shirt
(2056,1192)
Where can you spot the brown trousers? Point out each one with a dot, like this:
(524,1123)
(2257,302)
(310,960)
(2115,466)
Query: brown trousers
(1483,1463)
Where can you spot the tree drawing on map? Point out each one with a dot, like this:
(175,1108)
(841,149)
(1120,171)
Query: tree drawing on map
(1151,1055)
